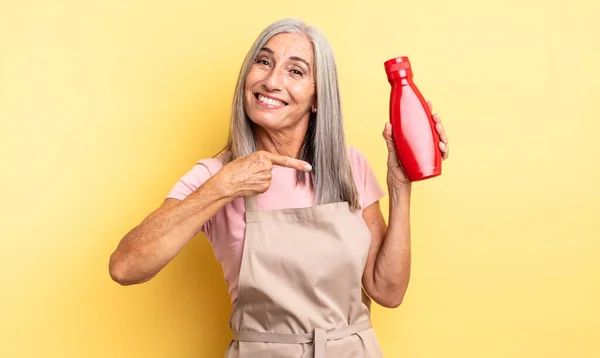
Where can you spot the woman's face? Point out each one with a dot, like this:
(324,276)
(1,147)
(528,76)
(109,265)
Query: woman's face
(280,87)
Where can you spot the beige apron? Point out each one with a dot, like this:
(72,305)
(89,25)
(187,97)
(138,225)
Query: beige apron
(300,291)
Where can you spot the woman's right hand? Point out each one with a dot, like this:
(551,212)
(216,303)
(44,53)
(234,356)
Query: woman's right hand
(251,175)
(148,247)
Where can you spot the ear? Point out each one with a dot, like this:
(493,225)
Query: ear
(313,108)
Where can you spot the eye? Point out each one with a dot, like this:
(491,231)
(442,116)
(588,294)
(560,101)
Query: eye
(296,72)
(262,61)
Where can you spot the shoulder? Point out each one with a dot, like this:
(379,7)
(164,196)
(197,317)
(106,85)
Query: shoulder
(205,168)
(211,165)
(359,164)
(358,161)
(195,177)
(365,178)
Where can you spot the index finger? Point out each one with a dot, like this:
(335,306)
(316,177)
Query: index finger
(289,162)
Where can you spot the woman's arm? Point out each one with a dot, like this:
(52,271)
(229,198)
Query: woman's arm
(387,271)
(151,245)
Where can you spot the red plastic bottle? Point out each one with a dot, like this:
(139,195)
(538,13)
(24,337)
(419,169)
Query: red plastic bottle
(413,128)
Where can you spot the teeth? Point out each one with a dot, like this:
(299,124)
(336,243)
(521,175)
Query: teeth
(270,101)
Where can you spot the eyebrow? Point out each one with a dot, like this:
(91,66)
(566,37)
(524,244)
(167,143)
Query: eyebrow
(293,58)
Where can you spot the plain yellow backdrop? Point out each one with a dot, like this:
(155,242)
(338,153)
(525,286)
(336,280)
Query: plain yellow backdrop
(105,104)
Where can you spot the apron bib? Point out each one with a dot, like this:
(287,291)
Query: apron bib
(300,285)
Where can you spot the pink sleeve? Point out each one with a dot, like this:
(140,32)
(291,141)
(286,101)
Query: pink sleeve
(368,187)
(193,179)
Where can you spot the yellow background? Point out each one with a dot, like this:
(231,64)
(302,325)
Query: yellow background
(105,104)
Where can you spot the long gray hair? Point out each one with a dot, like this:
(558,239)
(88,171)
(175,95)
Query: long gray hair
(324,145)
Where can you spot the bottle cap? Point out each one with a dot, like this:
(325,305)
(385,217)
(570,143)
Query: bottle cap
(397,64)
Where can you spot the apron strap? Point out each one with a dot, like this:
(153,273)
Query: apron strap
(320,343)
(318,339)
(250,203)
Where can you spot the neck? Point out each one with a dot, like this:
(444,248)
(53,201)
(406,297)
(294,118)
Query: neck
(286,142)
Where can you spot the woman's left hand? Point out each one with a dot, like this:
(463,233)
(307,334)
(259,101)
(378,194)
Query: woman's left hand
(396,175)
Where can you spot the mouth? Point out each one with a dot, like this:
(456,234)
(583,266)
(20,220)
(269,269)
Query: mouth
(270,102)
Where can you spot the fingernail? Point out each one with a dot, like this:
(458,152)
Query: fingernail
(308,167)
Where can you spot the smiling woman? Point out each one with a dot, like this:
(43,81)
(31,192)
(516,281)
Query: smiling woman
(294,64)
(280,89)
(291,211)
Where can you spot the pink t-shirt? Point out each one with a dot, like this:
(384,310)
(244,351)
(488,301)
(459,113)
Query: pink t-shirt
(226,229)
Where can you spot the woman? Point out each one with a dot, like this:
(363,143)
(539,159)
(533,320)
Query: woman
(292,213)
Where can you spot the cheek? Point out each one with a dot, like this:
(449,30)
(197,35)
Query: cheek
(303,93)
(247,94)
(248,89)
(251,79)
(248,84)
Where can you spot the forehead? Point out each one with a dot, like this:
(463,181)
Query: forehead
(291,44)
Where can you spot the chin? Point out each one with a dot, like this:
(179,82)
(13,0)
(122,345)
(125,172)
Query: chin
(266,123)
(264,118)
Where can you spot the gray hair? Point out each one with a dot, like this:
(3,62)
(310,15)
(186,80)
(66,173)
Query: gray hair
(324,145)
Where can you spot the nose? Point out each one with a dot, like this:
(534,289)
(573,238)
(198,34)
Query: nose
(274,81)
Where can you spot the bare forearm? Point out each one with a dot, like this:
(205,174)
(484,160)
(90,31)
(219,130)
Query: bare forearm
(150,246)
(392,266)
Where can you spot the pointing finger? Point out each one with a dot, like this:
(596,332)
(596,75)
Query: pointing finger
(289,162)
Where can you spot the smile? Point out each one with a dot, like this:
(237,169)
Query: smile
(269,102)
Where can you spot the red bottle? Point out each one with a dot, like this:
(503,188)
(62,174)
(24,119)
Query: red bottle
(413,128)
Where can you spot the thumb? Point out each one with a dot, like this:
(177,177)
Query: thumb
(387,135)
(393,161)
